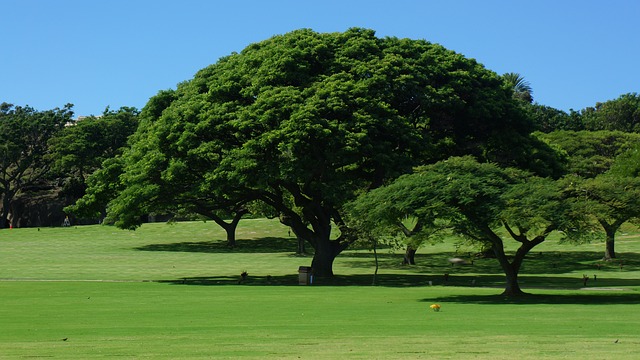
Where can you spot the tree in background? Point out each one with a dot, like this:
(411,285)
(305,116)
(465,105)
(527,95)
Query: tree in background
(622,114)
(613,200)
(627,163)
(103,184)
(379,216)
(590,153)
(304,121)
(25,159)
(614,196)
(80,149)
(477,200)
(521,88)
(547,119)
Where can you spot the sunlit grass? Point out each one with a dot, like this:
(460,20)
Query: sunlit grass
(172,291)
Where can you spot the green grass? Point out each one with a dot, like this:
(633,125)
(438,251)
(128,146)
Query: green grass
(171,292)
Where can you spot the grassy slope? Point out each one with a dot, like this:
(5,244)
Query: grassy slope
(195,308)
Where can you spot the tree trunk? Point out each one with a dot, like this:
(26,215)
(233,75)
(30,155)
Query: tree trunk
(409,256)
(229,227)
(315,227)
(325,253)
(610,242)
(512,287)
(610,250)
(301,246)
(375,255)
(231,235)
(6,203)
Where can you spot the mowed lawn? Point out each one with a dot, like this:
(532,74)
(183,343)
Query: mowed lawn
(173,291)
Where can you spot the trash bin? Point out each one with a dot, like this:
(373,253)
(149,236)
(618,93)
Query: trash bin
(305,276)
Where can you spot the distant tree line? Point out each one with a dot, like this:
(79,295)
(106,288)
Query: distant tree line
(46,158)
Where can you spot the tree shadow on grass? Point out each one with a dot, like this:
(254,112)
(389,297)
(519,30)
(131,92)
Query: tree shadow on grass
(497,282)
(612,297)
(552,262)
(262,245)
(387,280)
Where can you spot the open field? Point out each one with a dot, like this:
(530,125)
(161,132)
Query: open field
(171,291)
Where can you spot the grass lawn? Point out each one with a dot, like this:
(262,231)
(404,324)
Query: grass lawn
(171,292)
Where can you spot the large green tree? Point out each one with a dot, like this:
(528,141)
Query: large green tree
(304,121)
(25,159)
(478,200)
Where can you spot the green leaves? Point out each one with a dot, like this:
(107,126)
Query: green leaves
(305,122)
(621,114)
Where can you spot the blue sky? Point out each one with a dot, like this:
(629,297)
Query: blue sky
(99,53)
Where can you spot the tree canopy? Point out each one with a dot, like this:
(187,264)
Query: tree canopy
(305,121)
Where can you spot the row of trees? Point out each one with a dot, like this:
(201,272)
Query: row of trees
(24,137)
(302,125)
(45,155)
(621,114)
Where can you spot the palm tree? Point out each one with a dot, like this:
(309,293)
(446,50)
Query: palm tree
(521,88)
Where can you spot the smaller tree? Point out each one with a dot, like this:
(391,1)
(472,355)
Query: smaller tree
(613,200)
(476,201)
(376,216)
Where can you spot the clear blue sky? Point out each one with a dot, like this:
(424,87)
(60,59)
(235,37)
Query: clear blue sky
(99,53)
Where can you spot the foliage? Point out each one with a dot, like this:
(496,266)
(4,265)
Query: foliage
(103,185)
(590,153)
(548,119)
(521,87)
(621,114)
(25,134)
(304,121)
(627,163)
(81,148)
